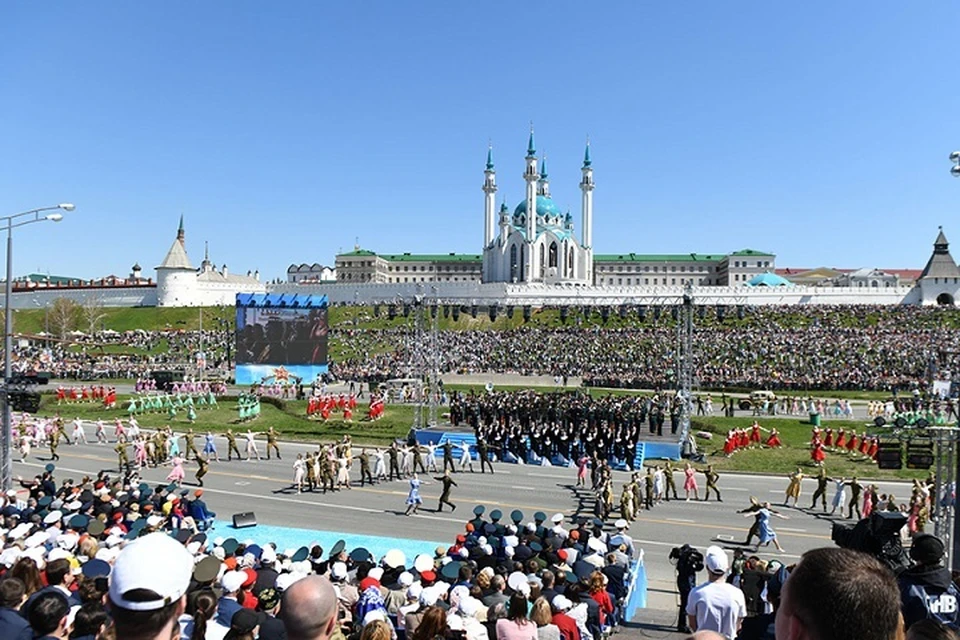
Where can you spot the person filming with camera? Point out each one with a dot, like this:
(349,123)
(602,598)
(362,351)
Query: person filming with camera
(689,562)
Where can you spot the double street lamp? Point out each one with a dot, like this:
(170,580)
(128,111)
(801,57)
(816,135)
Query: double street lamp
(12,222)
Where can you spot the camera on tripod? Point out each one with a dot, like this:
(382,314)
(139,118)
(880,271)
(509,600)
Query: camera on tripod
(688,559)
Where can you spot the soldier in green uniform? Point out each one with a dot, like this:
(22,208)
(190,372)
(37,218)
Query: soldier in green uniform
(123,462)
(445,493)
(332,467)
(365,475)
(311,471)
(483,451)
(712,477)
(448,456)
(61,431)
(855,490)
(394,463)
(54,443)
(191,446)
(626,502)
(648,488)
(821,492)
(418,458)
(232,446)
(202,471)
(637,493)
(671,485)
(272,442)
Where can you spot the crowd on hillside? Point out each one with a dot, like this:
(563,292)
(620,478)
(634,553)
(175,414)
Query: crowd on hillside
(113,558)
(855,348)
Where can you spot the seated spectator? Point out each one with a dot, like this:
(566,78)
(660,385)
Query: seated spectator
(198,623)
(89,622)
(540,615)
(271,627)
(839,594)
(567,625)
(13,626)
(516,626)
(244,625)
(309,609)
(930,629)
(48,616)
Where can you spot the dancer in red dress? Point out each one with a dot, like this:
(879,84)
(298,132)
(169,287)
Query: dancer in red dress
(755,433)
(852,442)
(841,440)
(864,445)
(817,454)
(828,439)
(774,439)
(730,444)
(874,447)
(744,439)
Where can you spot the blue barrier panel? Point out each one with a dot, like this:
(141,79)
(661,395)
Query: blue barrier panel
(661,450)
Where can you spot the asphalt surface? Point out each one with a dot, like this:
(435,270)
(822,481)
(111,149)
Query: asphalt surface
(265,488)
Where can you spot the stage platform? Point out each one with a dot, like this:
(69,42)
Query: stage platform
(657,448)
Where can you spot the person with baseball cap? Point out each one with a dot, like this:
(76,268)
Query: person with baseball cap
(148,587)
(926,589)
(716,605)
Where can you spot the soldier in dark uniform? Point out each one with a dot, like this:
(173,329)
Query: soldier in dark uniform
(648,488)
(202,470)
(712,477)
(232,446)
(855,490)
(311,471)
(477,521)
(448,456)
(671,485)
(821,492)
(365,474)
(445,493)
(123,462)
(754,507)
(483,450)
(394,463)
(61,431)
(272,442)
(418,458)
(637,494)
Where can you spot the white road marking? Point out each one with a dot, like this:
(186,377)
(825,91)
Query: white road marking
(792,530)
(522,487)
(682,520)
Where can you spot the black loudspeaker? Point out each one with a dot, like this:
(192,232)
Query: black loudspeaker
(243,520)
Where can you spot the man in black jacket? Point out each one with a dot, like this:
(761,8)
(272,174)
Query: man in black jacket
(271,627)
(926,589)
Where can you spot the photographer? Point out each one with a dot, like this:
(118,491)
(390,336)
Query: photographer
(689,562)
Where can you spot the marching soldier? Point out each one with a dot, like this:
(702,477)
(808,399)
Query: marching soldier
(712,477)
(392,453)
(821,491)
(626,502)
(332,468)
(671,485)
(61,431)
(191,446)
(448,456)
(445,493)
(418,458)
(272,442)
(365,475)
(483,451)
(855,490)
(311,471)
(123,462)
(232,446)
(648,488)
(637,494)
(202,471)
(54,443)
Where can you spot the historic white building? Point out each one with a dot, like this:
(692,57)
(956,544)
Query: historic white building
(180,284)
(537,243)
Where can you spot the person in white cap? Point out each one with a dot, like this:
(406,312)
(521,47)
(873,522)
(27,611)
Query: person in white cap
(621,537)
(558,529)
(716,605)
(145,602)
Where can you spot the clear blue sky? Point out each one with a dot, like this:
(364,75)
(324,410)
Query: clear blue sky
(283,130)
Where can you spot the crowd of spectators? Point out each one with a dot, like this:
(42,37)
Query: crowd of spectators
(113,558)
(813,348)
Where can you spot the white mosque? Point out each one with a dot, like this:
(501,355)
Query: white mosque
(536,244)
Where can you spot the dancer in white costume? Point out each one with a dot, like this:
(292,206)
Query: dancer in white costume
(252,445)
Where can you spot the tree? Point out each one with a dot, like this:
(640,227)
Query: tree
(92,313)
(63,316)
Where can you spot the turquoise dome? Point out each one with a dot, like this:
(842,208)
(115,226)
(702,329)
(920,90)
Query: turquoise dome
(545,207)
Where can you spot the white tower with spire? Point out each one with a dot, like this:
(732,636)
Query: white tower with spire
(586,208)
(490,200)
(532,177)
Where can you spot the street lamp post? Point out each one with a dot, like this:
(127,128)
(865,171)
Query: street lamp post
(12,222)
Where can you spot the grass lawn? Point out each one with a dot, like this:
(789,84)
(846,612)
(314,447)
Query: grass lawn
(291,421)
(795,452)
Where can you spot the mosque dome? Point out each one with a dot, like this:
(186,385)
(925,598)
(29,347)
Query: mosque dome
(545,207)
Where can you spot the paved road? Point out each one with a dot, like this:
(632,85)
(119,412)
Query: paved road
(264,487)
